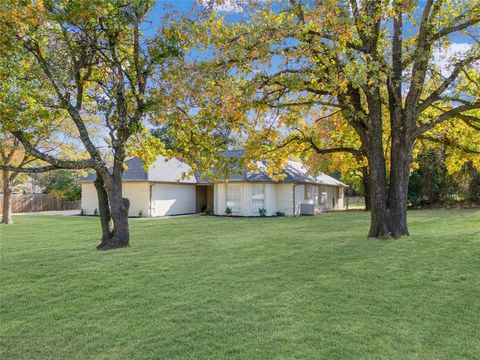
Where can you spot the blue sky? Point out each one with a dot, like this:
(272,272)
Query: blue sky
(163,7)
(460,44)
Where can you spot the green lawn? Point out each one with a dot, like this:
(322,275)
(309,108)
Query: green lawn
(222,288)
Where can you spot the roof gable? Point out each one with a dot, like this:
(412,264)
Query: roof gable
(170,170)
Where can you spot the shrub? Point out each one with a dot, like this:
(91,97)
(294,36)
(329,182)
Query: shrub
(95,212)
(474,188)
(82,212)
(279,213)
(414,189)
(140,213)
(228,211)
(262,212)
(208,211)
(62,183)
(431,183)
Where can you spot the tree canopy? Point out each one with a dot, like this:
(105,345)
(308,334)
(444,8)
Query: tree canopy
(374,63)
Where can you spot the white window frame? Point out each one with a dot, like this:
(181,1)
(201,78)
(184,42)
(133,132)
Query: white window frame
(257,198)
(234,189)
(312,193)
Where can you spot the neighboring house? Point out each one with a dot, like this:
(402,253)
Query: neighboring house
(163,191)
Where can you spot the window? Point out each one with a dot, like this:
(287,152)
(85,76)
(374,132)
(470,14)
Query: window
(323,198)
(311,193)
(258,197)
(308,192)
(234,195)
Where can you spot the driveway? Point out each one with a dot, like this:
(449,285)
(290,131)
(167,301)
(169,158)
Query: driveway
(55,212)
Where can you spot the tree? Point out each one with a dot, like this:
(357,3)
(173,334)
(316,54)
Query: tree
(63,184)
(375,62)
(10,154)
(94,62)
(16,106)
(445,162)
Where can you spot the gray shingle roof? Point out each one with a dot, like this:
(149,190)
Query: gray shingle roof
(295,172)
(134,172)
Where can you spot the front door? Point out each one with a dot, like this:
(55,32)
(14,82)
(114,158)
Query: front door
(203,198)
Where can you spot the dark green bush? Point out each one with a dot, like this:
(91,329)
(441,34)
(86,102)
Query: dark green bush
(474,188)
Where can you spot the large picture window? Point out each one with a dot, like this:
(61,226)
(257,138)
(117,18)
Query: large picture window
(234,196)
(258,197)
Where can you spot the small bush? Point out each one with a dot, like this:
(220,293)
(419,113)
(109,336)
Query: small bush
(208,211)
(279,213)
(474,188)
(140,213)
(228,211)
(262,212)
(95,212)
(204,208)
(82,212)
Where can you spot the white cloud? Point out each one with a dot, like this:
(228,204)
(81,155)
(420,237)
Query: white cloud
(227,6)
(445,58)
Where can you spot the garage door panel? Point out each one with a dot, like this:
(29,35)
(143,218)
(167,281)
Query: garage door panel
(173,199)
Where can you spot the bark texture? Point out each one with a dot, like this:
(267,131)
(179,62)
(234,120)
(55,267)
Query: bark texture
(7,199)
(379,215)
(103,210)
(110,193)
(366,187)
(401,161)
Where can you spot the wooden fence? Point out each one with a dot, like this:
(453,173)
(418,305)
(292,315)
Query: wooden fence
(39,202)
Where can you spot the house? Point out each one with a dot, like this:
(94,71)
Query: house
(164,191)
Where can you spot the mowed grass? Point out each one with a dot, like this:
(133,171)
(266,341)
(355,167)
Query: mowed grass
(228,288)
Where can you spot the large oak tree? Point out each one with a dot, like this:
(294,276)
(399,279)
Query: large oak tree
(375,62)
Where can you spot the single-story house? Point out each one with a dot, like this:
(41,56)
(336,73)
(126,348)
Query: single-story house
(163,191)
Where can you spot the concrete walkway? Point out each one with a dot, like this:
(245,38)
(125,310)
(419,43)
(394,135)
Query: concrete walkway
(77,212)
(55,212)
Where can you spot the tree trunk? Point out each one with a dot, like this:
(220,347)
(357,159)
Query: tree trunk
(103,210)
(119,207)
(7,199)
(401,156)
(378,197)
(377,171)
(366,187)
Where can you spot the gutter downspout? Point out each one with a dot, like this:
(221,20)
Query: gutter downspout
(294,202)
(150,210)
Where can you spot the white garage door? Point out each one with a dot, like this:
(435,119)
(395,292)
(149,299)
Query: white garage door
(171,199)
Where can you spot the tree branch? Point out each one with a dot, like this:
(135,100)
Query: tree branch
(451,143)
(57,163)
(450,114)
(37,169)
(435,95)
(74,113)
(454,28)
